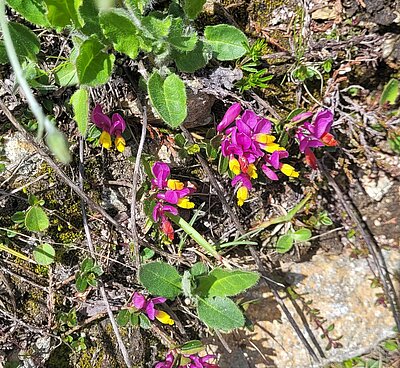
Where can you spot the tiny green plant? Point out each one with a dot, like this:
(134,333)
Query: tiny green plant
(87,275)
(285,242)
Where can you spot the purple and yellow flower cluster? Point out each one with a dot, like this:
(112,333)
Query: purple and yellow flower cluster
(146,306)
(248,142)
(169,193)
(194,361)
(314,134)
(114,126)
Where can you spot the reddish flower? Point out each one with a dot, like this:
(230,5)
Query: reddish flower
(147,306)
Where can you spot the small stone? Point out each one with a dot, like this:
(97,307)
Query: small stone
(377,223)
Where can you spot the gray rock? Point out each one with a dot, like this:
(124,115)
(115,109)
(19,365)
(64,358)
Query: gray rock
(340,288)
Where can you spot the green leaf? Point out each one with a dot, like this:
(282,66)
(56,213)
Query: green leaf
(36,219)
(159,28)
(80,106)
(44,254)
(81,283)
(191,61)
(33,11)
(191,347)
(89,12)
(193,8)
(93,65)
(180,38)
(187,284)
(390,345)
(301,235)
(120,30)
(220,313)
(18,217)
(25,42)
(58,144)
(199,269)
(227,42)
(161,279)
(144,322)
(61,13)
(168,97)
(390,92)
(66,75)
(134,319)
(220,282)
(123,317)
(284,243)
(147,253)
(223,163)
(87,265)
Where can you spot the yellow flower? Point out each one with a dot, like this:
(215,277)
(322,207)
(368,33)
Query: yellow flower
(252,171)
(120,143)
(175,184)
(185,203)
(267,142)
(234,166)
(242,194)
(164,318)
(289,170)
(105,140)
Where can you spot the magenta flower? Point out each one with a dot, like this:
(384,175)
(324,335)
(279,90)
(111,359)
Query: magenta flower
(146,306)
(273,161)
(316,134)
(167,363)
(195,361)
(114,126)
(168,192)
(201,362)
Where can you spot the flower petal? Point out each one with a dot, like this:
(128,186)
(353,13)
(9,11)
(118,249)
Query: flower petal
(101,120)
(150,310)
(138,301)
(118,124)
(323,123)
(231,114)
(164,318)
(269,173)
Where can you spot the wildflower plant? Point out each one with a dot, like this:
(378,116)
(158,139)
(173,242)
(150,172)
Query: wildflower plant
(248,142)
(175,360)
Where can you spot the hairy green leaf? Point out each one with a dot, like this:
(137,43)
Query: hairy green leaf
(168,97)
(161,279)
(120,30)
(33,11)
(80,106)
(191,61)
(220,313)
(302,235)
(227,42)
(193,8)
(180,38)
(93,65)
(284,243)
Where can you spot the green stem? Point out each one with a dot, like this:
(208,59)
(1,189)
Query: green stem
(195,235)
(14,253)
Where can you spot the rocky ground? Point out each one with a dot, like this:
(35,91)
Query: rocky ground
(330,284)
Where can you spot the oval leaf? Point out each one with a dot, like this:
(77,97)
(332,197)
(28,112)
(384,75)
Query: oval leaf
(220,282)
(161,279)
(227,42)
(301,235)
(44,254)
(36,219)
(120,30)
(390,92)
(168,97)
(61,13)
(284,243)
(66,75)
(80,105)
(193,8)
(220,313)
(93,65)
